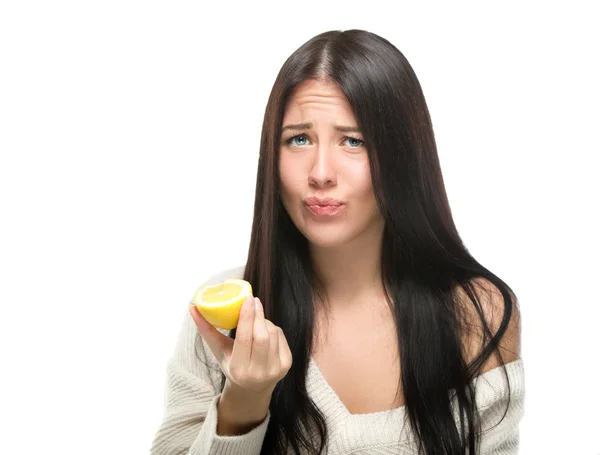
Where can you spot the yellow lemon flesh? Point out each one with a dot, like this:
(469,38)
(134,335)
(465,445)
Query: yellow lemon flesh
(220,304)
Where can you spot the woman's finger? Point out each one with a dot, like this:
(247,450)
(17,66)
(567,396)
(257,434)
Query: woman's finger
(285,354)
(242,347)
(273,345)
(259,359)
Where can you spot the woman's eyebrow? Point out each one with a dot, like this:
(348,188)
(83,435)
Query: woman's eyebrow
(307,126)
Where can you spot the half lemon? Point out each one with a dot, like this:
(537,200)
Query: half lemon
(220,304)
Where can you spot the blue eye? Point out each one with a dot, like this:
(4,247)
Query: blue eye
(355,139)
(289,141)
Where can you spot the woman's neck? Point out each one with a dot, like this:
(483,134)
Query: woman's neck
(350,272)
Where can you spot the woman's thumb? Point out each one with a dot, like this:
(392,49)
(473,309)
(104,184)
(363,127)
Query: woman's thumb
(218,343)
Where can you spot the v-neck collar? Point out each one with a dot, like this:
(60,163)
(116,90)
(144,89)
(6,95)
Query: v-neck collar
(340,404)
(351,431)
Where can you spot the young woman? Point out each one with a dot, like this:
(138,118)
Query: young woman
(373,329)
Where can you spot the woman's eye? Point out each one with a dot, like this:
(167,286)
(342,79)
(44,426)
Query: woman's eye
(355,141)
(290,140)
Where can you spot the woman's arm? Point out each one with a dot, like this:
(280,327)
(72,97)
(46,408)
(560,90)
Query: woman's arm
(189,424)
(492,399)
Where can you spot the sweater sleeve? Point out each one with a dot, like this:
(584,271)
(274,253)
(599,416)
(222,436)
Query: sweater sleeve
(501,437)
(191,396)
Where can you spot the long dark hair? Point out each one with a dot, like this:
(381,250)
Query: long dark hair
(423,258)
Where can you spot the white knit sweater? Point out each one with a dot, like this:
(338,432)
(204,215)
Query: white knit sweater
(190,414)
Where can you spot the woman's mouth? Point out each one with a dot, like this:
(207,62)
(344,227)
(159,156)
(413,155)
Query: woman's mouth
(325,210)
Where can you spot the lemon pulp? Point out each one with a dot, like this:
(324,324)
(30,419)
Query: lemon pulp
(220,304)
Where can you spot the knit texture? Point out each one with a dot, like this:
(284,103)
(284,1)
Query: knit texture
(192,392)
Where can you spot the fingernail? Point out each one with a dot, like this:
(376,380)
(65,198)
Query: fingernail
(249,301)
(257,303)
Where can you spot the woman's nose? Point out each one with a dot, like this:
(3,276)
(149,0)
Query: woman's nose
(323,171)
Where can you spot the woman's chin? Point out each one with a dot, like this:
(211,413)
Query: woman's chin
(326,238)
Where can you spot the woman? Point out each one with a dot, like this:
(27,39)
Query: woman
(374,330)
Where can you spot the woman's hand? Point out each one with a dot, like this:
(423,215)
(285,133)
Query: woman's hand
(257,359)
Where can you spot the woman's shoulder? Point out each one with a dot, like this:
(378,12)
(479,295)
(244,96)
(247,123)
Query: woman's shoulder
(492,307)
(498,381)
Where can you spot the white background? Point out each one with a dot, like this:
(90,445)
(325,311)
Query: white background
(129,138)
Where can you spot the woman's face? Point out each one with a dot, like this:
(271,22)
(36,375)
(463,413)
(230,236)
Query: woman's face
(324,162)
